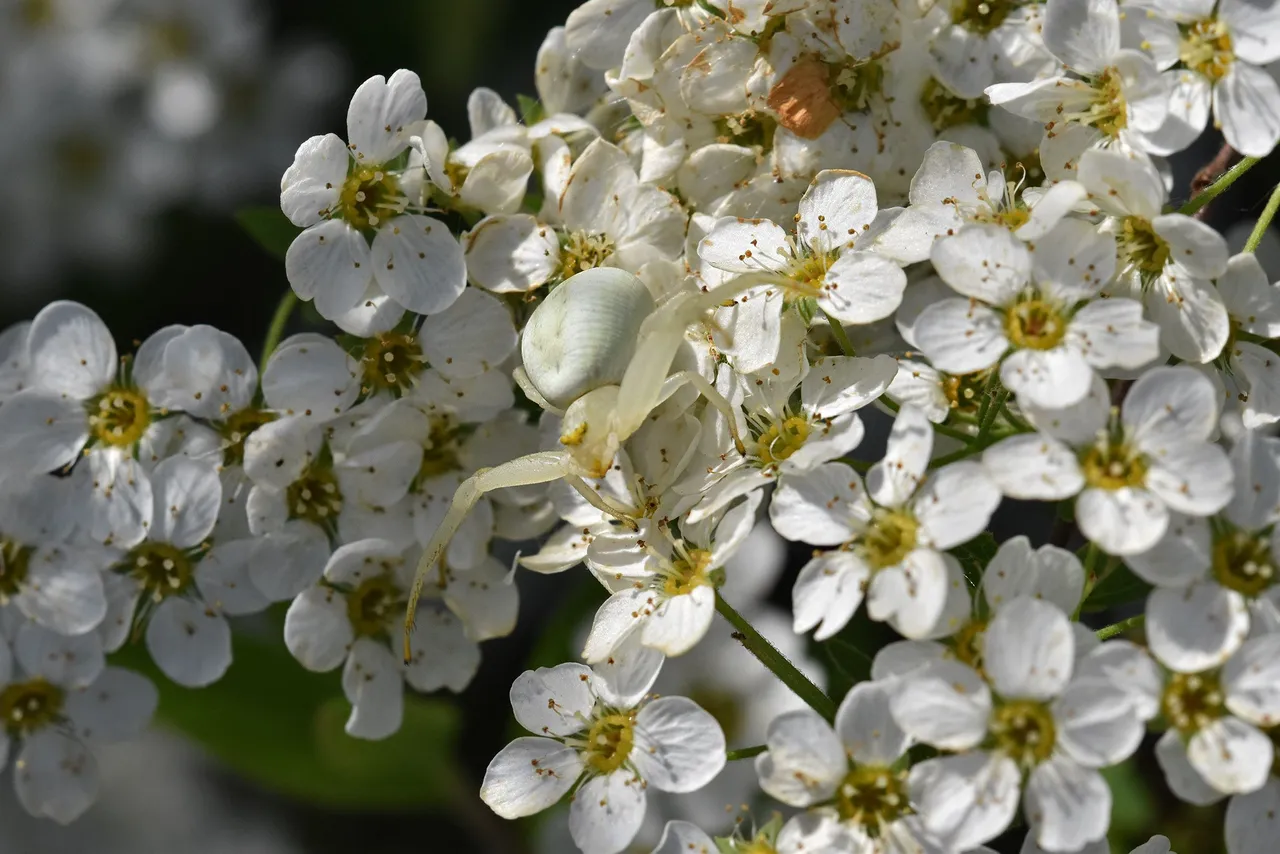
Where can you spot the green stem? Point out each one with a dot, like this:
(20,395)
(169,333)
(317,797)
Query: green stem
(1219,186)
(838,333)
(1014,421)
(1268,214)
(745,752)
(1091,578)
(276,330)
(776,662)
(942,429)
(989,417)
(1120,627)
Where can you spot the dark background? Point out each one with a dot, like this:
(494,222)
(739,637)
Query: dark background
(206,270)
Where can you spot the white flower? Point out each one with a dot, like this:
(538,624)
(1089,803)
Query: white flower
(1222,48)
(1036,314)
(1034,719)
(354,617)
(1130,469)
(1167,260)
(57,702)
(820,260)
(357,202)
(665,586)
(179,583)
(1217,743)
(602,745)
(891,535)
(1252,820)
(973,45)
(1121,89)
(848,777)
(1249,369)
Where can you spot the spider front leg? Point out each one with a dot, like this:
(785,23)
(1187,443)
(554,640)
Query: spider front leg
(542,467)
(713,396)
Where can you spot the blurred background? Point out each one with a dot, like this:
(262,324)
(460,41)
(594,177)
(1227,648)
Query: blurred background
(130,133)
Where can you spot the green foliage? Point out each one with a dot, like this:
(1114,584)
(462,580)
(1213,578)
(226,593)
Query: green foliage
(1119,587)
(530,109)
(269,228)
(849,654)
(282,727)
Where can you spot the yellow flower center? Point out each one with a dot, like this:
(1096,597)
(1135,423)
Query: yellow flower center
(1113,466)
(946,109)
(964,391)
(391,361)
(609,742)
(782,439)
(1243,562)
(441,457)
(315,496)
(1109,112)
(162,569)
(374,605)
(1206,47)
(890,538)
(1024,731)
(582,250)
(236,429)
(687,573)
(752,128)
(1035,324)
(29,706)
(119,417)
(1142,247)
(15,561)
(967,644)
(368,196)
(1192,700)
(872,796)
(982,16)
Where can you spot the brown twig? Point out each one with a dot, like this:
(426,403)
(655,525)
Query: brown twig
(1210,172)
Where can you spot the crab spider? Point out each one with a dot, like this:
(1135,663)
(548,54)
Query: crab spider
(597,353)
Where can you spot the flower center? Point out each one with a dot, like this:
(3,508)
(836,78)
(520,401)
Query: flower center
(582,250)
(752,128)
(391,362)
(1035,324)
(808,273)
(1142,247)
(967,644)
(1113,466)
(373,605)
(1192,700)
(1206,47)
(782,439)
(1108,112)
(29,706)
(946,109)
(441,455)
(1243,562)
(982,16)
(162,568)
(609,742)
(1024,731)
(119,417)
(858,82)
(15,560)
(890,538)
(236,429)
(368,196)
(687,573)
(873,796)
(964,391)
(315,496)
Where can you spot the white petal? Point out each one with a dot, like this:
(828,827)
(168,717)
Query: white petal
(1122,183)
(955,504)
(682,837)
(1181,777)
(1084,35)
(1193,246)
(1122,521)
(1247,102)
(948,171)
(374,686)
(1049,573)
(1033,466)
(71,351)
(188,496)
(317,630)
(1193,322)
(190,643)
(56,776)
(1126,666)
(1249,296)
(553,700)
(862,287)
(382,114)
(892,481)
(960,336)
(1251,679)
(1067,806)
(1194,479)
(511,254)
(313,378)
(866,726)
(441,654)
(528,776)
(1233,756)
(70,662)
(1182,556)
(744,245)
(63,591)
(945,704)
(1059,377)
(967,799)
(607,812)
(329,263)
(823,507)
(419,263)
(1113,334)
(837,385)
(677,625)
(1095,724)
(1029,649)
(679,747)
(117,706)
(1197,627)
(40,432)
(312,184)
(805,759)
(624,612)
(985,262)
(827,592)
(1252,820)
(1170,405)
(1074,260)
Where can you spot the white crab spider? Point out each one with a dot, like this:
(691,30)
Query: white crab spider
(596,353)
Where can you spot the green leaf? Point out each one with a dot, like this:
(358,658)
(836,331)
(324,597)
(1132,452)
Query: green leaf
(269,228)
(530,109)
(975,555)
(1119,588)
(281,727)
(1133,809)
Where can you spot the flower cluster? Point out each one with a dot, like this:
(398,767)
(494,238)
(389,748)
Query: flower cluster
(118,110)
(647,323)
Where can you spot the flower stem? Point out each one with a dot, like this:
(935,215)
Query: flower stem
(1268,214)
(1219,186)
(745,752)
(988,420)
(276,330)
(1121,627)
(838,333)
(776,662)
